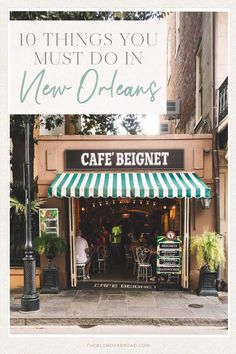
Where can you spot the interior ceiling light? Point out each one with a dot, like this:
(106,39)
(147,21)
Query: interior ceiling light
(125,215)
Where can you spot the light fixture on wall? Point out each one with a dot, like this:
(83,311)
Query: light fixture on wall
(205,202)
(125,215)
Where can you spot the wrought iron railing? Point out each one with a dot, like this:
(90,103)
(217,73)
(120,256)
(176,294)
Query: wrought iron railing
(223,100)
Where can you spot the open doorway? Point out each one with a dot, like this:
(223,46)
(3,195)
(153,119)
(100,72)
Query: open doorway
(140,221)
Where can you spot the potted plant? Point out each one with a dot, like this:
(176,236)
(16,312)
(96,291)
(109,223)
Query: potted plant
(210,254)
(50,245)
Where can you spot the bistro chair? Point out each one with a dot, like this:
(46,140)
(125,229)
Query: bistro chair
(80,268)
(135,259)
(144,266)
(128,257)
(102,259)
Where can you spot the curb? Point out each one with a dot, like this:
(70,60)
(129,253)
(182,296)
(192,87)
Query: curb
(210,322)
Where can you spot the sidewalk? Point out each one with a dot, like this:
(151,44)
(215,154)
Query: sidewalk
(99,307)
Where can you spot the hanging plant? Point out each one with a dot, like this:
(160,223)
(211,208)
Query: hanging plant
(49,243)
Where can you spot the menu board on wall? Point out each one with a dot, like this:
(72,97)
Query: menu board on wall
(169,254)
(49,221)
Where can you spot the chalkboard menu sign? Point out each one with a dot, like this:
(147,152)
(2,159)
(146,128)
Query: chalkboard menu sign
(169,254)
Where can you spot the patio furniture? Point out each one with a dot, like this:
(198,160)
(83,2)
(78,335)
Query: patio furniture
(135,259)
(144,266)
(128,257)
(80,268)
(102,259)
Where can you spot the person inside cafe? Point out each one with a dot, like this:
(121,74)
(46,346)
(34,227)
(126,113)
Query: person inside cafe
(82,253)
(115,245)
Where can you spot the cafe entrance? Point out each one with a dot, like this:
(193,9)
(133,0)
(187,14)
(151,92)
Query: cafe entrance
(118,199)
(140,222)
(94,174)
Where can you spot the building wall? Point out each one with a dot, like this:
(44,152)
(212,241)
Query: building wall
(51,162)
(206,35)
(195,32)
(17,277)
(224,210)
(181,84)
(61,261)
(51,151)
(221,73)
(221,47)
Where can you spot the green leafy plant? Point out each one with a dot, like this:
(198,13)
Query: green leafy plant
(20,208)
(49,243)
(209,249)
(17,200)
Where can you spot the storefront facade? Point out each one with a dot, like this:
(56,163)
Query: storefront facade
(154,170)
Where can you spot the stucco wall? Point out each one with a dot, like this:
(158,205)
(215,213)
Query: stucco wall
(51,151)
(198,158)
(17,277)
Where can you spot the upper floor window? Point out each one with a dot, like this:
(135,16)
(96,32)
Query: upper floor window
(199,108)
(169,55)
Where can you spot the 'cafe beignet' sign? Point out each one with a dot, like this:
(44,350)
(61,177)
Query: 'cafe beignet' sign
(120,159)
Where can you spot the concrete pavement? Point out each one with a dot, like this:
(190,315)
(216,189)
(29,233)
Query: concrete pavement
(116,307)
(118,330)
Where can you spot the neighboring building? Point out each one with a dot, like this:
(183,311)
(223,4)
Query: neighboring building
(197,51)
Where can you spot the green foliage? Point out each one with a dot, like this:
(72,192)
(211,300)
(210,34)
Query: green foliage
(131,124)
(86,15)
(209,249)
(17,123)
(20,208)
(101,124)
(98,124)
(52,121)
(49,242)
(17,200)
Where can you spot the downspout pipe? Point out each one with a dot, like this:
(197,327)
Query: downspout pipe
(215,135)
(215,144)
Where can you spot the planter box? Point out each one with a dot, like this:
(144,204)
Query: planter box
(50,281)
(207,283)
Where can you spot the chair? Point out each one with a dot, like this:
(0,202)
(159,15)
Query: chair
(135,260)
(144,266)
(80,268)
(102,259)
(128,257)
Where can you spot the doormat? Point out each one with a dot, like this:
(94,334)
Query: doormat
(92,285)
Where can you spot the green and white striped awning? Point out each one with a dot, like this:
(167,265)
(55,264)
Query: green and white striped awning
(141,185)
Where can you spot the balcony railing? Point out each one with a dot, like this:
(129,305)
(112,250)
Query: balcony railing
(223,100)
